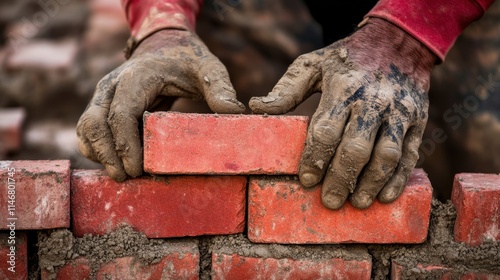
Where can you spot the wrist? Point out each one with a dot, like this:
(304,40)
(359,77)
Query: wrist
(379,43)
(146,17)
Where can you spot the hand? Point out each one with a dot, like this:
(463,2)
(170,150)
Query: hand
(364,137)
(168,63)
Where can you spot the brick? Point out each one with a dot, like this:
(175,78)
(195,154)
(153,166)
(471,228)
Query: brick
(11,126)
(476,197)
(171,267)
(180,262)
(281,211)
(236,266)
(159,207)
(182,143)
(41,194)
(400,272)
(78,269)
(44,55)
(16,259)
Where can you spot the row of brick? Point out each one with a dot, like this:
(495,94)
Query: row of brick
(39,192)
(183,261)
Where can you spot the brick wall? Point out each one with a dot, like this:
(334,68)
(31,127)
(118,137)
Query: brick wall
(231,207)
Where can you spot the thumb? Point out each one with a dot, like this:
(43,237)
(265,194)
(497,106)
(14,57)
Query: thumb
(301,80)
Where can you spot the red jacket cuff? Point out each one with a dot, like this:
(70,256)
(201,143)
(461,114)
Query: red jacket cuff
(435,23)
(148,16)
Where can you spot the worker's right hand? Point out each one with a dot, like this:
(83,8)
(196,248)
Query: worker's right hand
(168,63)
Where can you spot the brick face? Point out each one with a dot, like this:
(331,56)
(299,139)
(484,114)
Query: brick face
(179,143)
(239,267)
(477,200)
(281,211)
(180,263)
(18,258)
(160,208)
(42,196)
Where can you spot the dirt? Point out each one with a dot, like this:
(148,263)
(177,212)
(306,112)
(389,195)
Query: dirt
(439,249)
(58,247)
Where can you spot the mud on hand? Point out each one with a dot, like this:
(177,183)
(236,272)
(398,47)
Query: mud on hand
(169,63)
(364,137)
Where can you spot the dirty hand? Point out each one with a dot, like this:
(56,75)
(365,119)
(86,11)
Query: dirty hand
(364,137)
(168,63)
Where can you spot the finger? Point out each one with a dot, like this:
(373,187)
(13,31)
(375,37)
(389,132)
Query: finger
(95,138)
(217,88)
(352,154)
(396,184)
(384,160)
(323,137)
(325,130)
(134,94)
(301,80)
(86,149)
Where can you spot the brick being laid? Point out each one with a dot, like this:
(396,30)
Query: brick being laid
(181,143)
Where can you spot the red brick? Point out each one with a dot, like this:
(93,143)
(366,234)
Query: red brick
(41,193)
(477,200)
(240,267)
(281,211)
(181,143)
(18,257)
(78,269)
(436,272)
(181,262)
(158,207)
(11,125)
(171,267)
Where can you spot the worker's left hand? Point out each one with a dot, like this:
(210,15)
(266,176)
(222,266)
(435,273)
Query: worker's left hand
(364,137)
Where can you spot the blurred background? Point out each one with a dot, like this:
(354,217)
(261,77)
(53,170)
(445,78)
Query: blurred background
(53,53)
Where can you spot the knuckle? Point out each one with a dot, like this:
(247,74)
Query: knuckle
(356,150)
(325,132)
(389,154)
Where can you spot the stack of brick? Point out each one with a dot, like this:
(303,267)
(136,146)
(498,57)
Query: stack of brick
(224,176)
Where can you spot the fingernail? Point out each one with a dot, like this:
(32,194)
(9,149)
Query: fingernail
(309,179)
(268,99)
(362,200)
(388,196)
(333,201)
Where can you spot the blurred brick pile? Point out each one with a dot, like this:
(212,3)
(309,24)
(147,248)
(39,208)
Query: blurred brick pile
(52,54)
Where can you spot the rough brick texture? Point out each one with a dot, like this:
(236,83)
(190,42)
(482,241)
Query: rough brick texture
(477,200)
(13,255)
(179,143)
(400,272)
(11,124)
(182,262)
(158,207)
(281,211)
(240,267)
(41,194)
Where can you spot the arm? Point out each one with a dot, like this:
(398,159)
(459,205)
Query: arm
(145,17)
(166,59)
(364,137)
(435,23)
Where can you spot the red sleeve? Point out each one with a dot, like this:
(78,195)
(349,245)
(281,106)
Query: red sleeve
(435,23)
(147,16)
